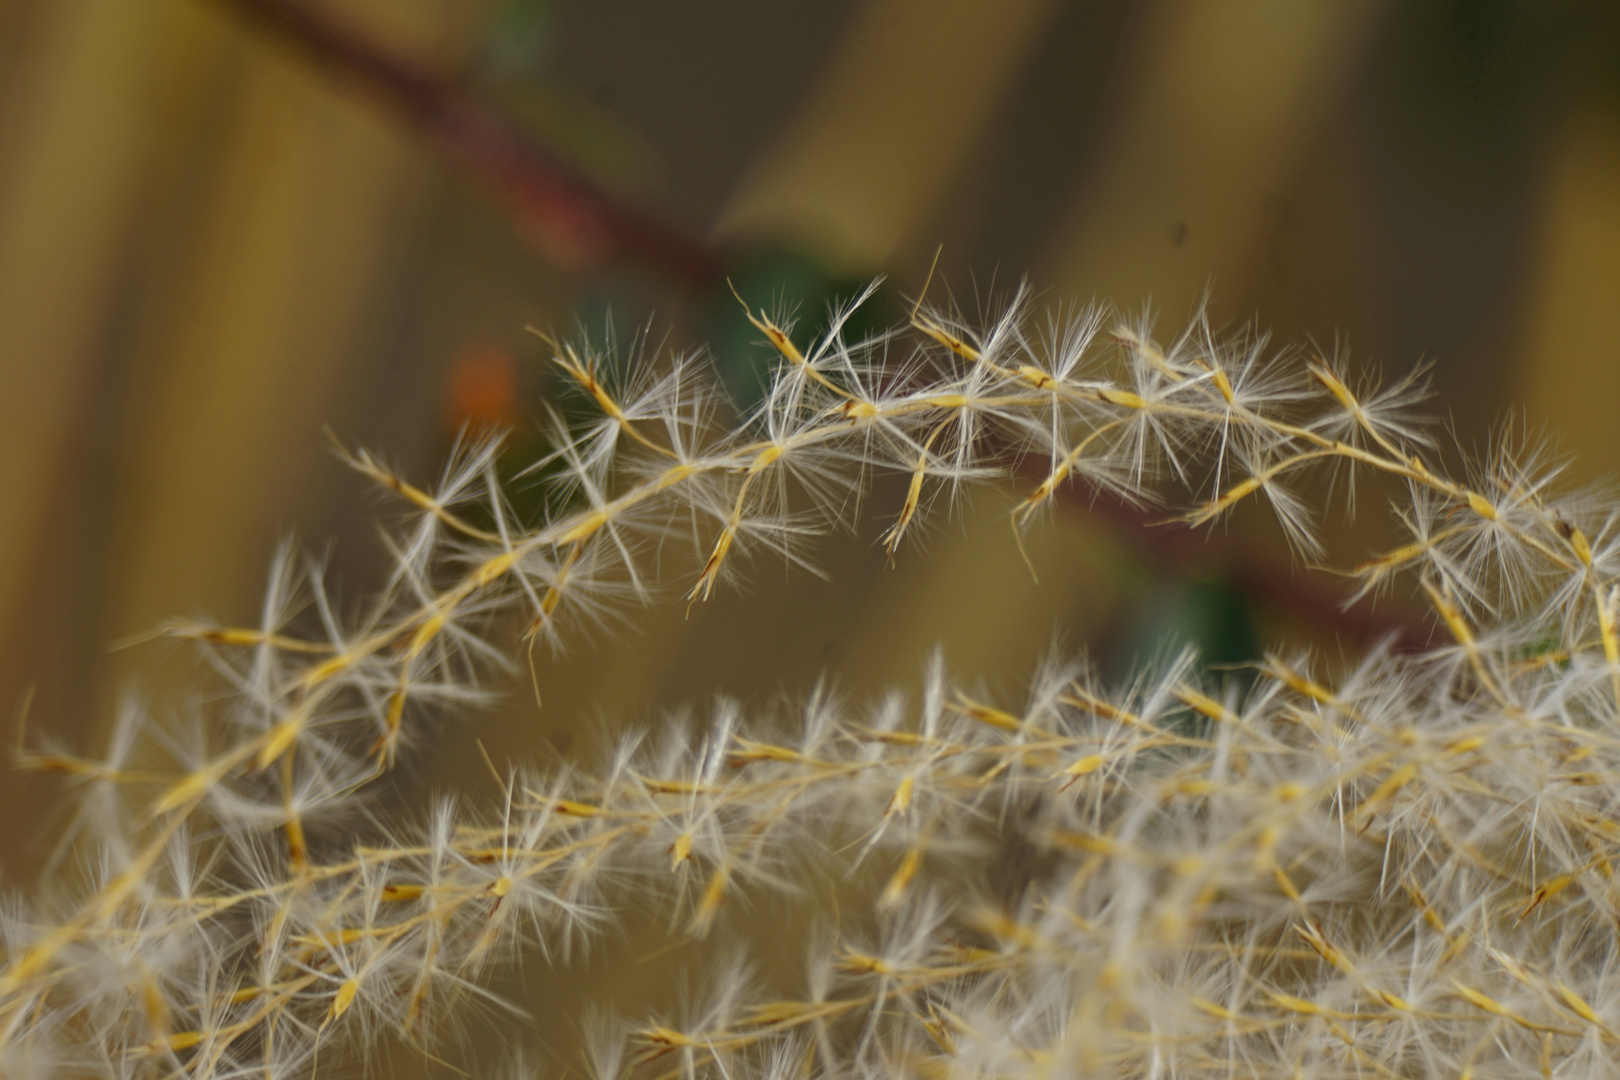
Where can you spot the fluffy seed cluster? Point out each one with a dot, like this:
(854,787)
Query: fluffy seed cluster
(1403,868)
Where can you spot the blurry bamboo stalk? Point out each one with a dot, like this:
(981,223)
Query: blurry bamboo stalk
(67,202)
(245,362)
(883,132)
(84,117)
(1225,95)
(1571,365)
(192,227)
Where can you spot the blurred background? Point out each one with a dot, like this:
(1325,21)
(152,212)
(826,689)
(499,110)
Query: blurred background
(227,223)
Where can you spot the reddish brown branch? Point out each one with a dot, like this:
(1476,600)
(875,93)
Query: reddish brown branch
(576,222)
(563,211)
(1307,596)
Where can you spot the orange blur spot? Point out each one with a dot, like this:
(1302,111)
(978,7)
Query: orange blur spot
(482,390)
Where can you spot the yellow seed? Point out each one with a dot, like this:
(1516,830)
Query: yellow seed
(1396,1003)
(297,846)
(586,527)
(1297,682)
(1044,491)
(1238,492)
(774,1012)
(606,403)
(765,459)
(680,850)
(1382,793)
(281,739)
(1547,891)
(711,569)
(901,800)
(1483,1001)
(344,998)
(396,713)
(1394,558)
(1204,705)
(237,637)
(1219,1012)
(1294,1004)
(1578,1005)
(861,962)
(1000,925)
(950,341)
(985,714)
(674,475)
(713,896)
(783,343)
(665,1036)
(330,938)
(424,634)
(913,494)
(1285,883)
(401,892)
(940,1033)
(326,669)
(1608,609)
(1037,378)
(755,751)
(500,886)
(674,787)
(1583,550)
(183,792)
(1512,966)
(1481,506)
(1336,387)
(1088,764)
(895,890)
(157,1011)
(1451,614)
(1096,845)
(1429,915)
(1324,948)
(1458,943)
(1122,397)
(494,567)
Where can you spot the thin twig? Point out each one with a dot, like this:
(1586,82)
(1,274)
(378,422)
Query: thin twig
(566,213)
